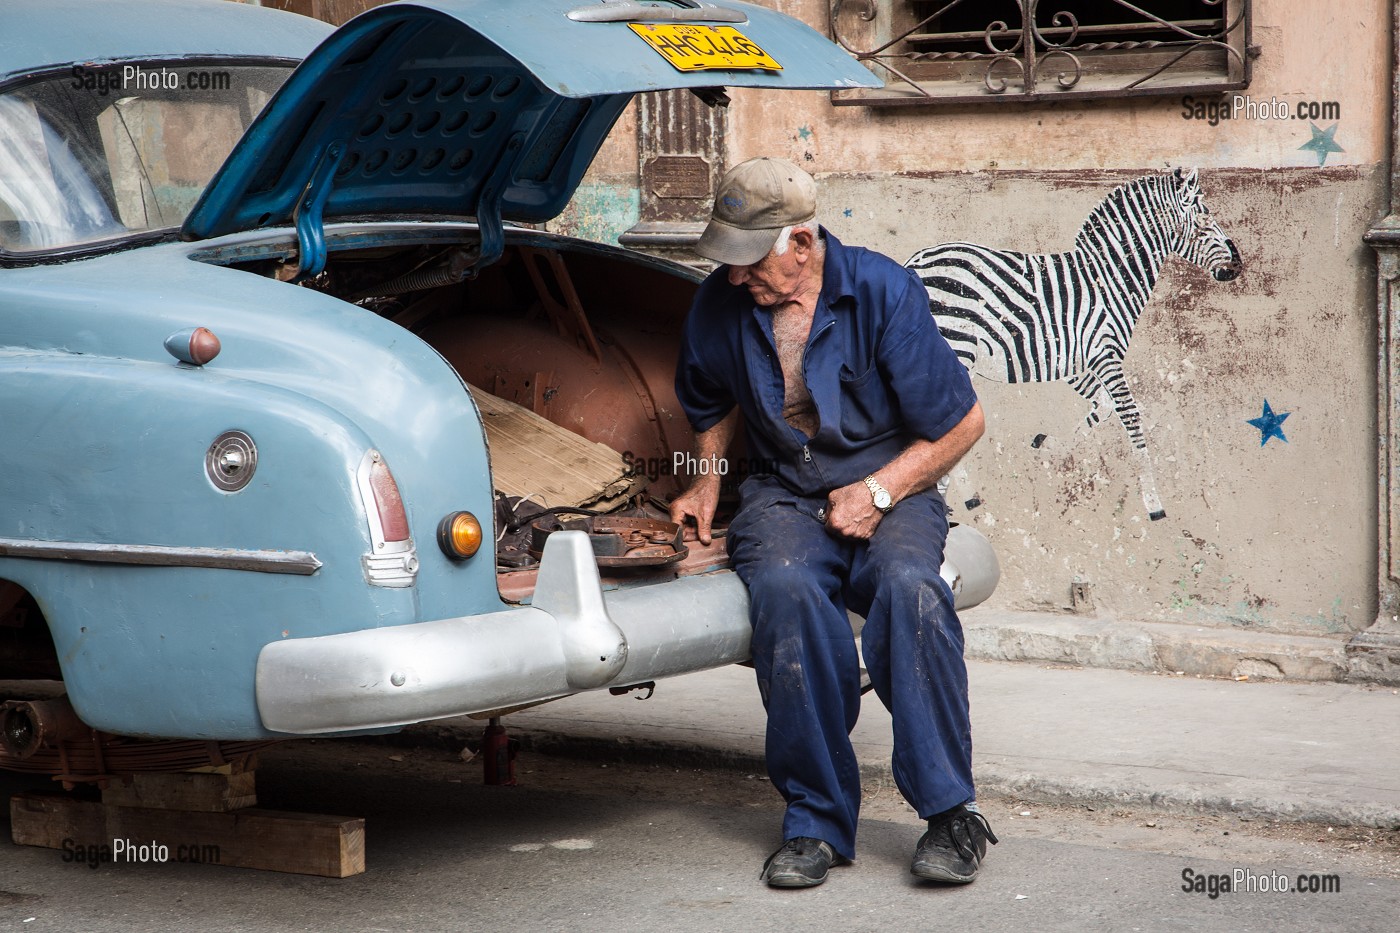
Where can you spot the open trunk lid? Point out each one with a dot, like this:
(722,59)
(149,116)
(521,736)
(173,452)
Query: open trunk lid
(486,109)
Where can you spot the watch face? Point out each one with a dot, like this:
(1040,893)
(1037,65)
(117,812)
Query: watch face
(882,499)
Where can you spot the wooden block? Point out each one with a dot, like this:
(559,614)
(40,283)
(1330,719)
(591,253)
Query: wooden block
(237,766)
(269,840)
(47,820)
(213,793)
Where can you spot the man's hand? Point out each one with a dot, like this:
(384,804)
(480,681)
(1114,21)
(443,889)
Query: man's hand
(702,498)
(698,502)
(851,512)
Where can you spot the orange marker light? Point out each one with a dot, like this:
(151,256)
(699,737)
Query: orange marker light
(459,535)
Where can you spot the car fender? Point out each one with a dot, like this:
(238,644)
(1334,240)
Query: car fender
(170,649)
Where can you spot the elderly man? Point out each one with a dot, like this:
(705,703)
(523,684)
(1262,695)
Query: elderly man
(858,404)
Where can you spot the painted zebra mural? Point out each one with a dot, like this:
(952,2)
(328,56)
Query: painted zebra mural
(1018,317)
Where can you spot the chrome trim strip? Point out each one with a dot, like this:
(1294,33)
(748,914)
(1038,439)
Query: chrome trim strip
(631,11)
(301,563)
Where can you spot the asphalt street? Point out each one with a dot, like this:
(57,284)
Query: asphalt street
(598,846)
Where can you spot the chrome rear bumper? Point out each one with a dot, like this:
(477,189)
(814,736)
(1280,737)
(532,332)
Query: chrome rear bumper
(572,638)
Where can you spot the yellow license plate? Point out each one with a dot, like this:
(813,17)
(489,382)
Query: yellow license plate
(700,48)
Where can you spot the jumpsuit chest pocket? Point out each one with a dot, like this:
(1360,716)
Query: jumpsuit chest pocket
(866,406)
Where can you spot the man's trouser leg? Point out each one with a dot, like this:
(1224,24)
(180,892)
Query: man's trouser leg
(807,665)
(913,647)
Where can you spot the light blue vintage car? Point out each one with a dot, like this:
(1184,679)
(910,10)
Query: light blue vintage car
(249,266)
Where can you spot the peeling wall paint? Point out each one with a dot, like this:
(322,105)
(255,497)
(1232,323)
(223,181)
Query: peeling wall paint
(1039,317)
(1277,537)
(600,212)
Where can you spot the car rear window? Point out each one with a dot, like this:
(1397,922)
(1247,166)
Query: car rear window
(103,151)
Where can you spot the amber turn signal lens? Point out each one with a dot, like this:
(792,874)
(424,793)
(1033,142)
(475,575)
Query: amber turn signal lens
(459,535)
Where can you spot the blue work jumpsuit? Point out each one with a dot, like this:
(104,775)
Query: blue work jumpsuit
(880,376)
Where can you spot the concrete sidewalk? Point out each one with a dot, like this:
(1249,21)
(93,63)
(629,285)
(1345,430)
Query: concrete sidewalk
(1296,751)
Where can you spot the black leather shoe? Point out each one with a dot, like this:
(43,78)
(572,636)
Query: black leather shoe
(954,846)
(801,862)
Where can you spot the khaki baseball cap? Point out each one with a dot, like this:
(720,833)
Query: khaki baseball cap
(755,201)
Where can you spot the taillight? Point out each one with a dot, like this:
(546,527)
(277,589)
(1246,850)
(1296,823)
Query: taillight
(392,560)
(393,520)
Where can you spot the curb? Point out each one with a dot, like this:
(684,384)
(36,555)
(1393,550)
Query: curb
(993,777)
(1086,641)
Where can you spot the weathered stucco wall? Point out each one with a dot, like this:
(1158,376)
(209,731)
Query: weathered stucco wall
(1308,52)
(609,200)
(1277,535)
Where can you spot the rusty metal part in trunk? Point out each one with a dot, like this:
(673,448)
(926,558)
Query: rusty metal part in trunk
(618,542)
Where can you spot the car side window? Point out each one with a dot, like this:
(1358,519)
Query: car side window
(47,198)
(92,155)
(161,153)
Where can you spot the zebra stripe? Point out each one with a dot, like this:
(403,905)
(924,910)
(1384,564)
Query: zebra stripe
(1020,317)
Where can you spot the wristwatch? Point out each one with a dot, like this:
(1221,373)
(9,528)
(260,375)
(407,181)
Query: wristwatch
(879,494)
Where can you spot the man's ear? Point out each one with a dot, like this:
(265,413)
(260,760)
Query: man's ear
(801,239)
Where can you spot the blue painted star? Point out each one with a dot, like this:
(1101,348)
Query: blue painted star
(847,212)
(1270,424)
(805,132)
(1323,142)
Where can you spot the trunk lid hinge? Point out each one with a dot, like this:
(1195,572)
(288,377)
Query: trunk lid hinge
(311,234)
(488,206)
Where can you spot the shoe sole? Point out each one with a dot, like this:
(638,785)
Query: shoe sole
(934,873)
(793,881)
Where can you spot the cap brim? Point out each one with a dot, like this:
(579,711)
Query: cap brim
(735,247)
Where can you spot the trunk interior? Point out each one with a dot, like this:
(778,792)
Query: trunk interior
(570,355)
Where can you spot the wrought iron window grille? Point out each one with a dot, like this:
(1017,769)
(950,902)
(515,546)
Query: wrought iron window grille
(1037,50)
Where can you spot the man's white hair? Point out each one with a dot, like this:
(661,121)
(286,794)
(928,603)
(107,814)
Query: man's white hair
(811,226)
